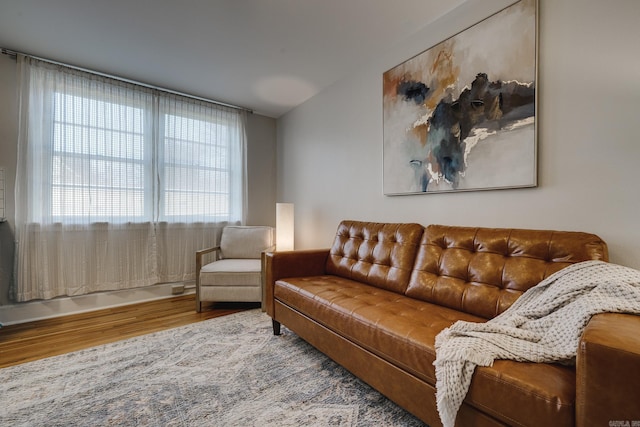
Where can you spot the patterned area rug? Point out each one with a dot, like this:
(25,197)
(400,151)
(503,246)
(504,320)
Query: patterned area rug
(227,371)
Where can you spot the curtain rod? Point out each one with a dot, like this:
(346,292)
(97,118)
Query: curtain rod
(14,55)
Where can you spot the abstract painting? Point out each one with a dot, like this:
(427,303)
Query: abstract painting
(461,115)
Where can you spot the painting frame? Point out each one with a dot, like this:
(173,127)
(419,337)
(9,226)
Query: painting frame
(462,115)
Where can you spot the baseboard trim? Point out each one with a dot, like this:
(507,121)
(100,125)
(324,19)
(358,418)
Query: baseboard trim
(39,310)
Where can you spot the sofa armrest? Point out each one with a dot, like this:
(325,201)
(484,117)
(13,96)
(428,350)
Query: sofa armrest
(608,371)
(279,265)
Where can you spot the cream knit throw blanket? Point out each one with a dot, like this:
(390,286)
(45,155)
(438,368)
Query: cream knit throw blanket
(543,325)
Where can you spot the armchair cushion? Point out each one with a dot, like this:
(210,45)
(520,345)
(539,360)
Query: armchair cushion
(245,241)
(232,272)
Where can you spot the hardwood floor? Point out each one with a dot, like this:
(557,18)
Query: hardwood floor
(26,342)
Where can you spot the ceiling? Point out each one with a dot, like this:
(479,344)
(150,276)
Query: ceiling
(265,55)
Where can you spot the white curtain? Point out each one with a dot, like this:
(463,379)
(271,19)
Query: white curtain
(118,185)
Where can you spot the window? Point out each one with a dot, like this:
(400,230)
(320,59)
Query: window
(100,160)
(118,184)
(116,152)
(196,168)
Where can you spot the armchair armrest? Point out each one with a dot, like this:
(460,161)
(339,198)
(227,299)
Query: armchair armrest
(199,255)
(608,371)
(279,265)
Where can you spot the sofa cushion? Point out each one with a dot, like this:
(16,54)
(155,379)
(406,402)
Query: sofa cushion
(482,271)
(521,394)
(381,255)
(402,331)
(397,328)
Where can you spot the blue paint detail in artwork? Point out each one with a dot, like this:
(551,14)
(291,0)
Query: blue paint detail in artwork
(421,173)
(413,91)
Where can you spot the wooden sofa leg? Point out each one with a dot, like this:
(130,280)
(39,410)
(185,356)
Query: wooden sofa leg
(276,327)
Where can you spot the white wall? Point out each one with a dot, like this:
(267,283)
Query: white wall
(330,148)
(261,162)
(261,174)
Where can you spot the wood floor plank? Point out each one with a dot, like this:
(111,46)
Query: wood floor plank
(31,341)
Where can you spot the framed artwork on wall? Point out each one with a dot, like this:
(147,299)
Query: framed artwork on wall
(461,116)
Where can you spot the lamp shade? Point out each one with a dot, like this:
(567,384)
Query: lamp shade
(284,226)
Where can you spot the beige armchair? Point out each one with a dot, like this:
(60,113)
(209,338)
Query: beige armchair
(236,272)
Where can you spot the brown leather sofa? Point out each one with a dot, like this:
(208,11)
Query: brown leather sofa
(375,301)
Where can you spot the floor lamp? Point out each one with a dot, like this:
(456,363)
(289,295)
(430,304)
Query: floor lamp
(284,226)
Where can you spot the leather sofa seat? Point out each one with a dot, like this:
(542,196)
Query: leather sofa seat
(402,330)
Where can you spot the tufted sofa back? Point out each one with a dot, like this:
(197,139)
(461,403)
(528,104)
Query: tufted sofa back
(482,271)
(379,254)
